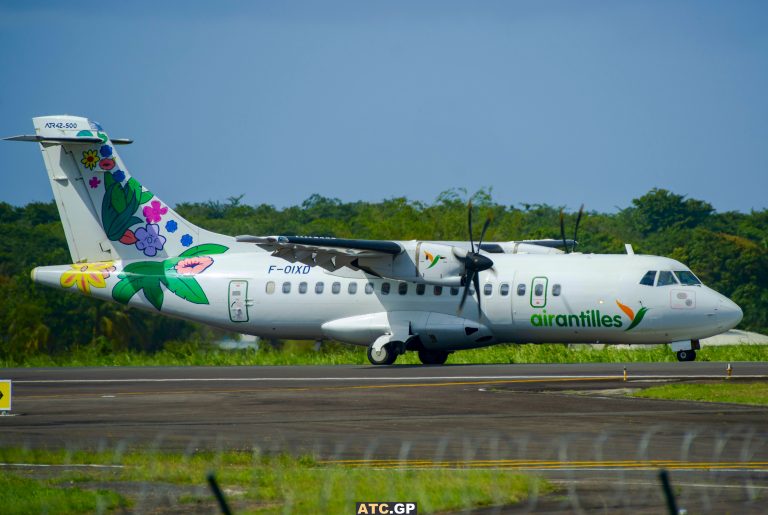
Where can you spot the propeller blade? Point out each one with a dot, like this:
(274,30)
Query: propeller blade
(476,282)
(471,243)
(482,233)
(466,291)
(562,231)
(578,221)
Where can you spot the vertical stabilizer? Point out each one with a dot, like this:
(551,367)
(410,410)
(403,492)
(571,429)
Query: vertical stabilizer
(106,213)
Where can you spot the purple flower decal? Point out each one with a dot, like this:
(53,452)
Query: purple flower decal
(186,240)
(154,212)
(118,176)
(148,239)
(105,151)
(94,182)
(171,226)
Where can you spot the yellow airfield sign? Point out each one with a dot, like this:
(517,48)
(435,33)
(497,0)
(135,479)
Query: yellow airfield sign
(5,394)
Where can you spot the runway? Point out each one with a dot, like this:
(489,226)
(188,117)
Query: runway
(573,423)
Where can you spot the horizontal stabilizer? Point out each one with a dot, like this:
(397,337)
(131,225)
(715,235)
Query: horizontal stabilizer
(82,140)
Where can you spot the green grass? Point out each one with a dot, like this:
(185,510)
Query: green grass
(265,484)
(26,495)
(726,391)
(302,353)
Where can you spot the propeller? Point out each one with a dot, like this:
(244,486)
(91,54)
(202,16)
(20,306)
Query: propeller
(575,230)
(474,263)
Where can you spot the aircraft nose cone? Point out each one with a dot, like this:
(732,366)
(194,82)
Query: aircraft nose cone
(729,313)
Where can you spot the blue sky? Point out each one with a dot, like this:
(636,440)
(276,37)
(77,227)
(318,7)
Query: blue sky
(556,102)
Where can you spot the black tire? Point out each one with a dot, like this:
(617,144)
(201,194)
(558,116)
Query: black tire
(686,355)
(386,356)
(433,357)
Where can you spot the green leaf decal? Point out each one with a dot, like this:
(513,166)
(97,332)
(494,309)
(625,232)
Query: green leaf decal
(126,289)
(146,196)
(154,293)
(638,318)
(186,287)
(204,250)
(144,268)
(84,133)
(118,198)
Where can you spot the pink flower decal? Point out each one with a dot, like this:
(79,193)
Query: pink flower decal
(154,211)
(94,182)
(107,163)
(193,266)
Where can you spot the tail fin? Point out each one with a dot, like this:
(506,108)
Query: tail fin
(106,213)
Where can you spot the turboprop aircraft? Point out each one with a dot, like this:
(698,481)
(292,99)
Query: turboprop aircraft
(129,246)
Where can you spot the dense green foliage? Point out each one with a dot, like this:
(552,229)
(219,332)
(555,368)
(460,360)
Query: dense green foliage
(728,251)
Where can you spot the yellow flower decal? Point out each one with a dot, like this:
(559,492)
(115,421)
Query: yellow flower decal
(85,275)
(90,159)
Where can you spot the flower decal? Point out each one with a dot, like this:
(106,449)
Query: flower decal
(171,226)
(94,182)
(90,159)
(107,163)
(154,212)
(194,265)
(105,151)
(87,275)
(186,240)
(118,175)
(149,240)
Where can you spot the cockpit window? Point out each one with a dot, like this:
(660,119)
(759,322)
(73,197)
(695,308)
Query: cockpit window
(648,278)
(666,278)
(687,278)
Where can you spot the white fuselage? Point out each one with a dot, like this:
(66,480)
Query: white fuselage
(525,298)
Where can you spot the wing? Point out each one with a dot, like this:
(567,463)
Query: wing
(328,253)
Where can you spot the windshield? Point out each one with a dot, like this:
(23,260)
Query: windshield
(687,278)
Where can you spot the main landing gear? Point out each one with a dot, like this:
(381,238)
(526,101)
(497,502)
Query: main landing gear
(686,355)
(387,354)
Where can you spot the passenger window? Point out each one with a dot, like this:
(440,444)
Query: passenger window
(420,289)
(538,290)
(271,287)
(286,287)
(402,288)
(385,288)
(368,288)
(504,289)
(454,291)
(556,290)
(438,291)
(687,278)
(302,287)
(520,289)
(487,289)
(648,278)
(352,288)
(666,278)
(335,288)
(319,287)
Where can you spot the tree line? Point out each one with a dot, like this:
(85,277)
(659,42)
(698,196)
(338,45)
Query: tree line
(728,251)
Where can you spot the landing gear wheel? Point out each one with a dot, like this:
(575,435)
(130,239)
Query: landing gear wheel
(686,355)
(433,357)
(385,356)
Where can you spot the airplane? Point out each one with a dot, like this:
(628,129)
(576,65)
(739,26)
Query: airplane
(431,297)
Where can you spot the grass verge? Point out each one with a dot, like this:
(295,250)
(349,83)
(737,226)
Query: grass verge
(256,483)
(302,353)
(725,391)
(24,495)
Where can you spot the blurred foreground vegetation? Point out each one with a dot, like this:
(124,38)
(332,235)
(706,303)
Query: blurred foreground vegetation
(728,251)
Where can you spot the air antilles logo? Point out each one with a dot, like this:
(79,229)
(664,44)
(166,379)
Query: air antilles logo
(635,318)
(588,318)
(432,259)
